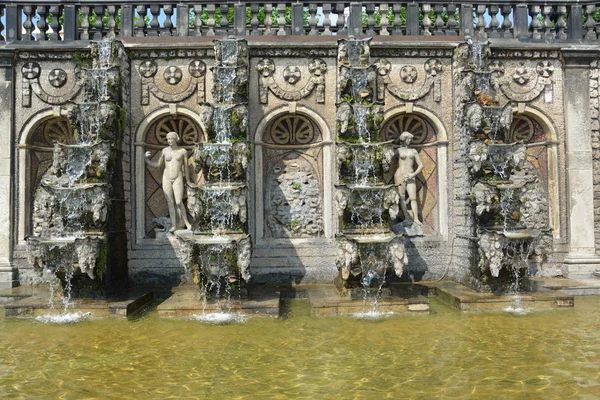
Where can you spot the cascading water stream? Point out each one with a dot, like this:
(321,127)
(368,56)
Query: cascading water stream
(71,191)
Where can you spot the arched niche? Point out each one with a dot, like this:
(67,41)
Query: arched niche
(430,139)
(151,136)
(36,144)
(532,127)
(292,167)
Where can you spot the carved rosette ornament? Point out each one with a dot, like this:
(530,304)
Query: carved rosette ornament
(409,89)
(57,77)
(173,76)
(292,75)
(31,72)
(525,83)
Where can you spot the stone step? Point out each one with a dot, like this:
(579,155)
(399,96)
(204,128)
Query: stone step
(294,251)
(10,295)
(293,261)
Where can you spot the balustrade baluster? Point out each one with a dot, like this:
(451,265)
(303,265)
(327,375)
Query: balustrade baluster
(56,11)
(327,19)
(370,9)
(197,20)
(341,20)
(168,24)
(281,19)
(506,24)
(41,23)
(154,24)
(28,24)
(383,10)
(223,24)
(210,22)
(268,19)
(481,22)
(1,24)
(590,24)
(561,24)
(548,34)
(254,9)
(452,24)
(438,9)
(111,25)
(494,23)
(140,25)
(312,21)
(99,24)
(534,11)
(426,21)
(397,8)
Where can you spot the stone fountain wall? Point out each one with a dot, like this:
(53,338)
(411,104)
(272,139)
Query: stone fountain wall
(167,85)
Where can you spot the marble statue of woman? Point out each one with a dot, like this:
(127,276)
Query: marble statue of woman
(174,159)
(405,177)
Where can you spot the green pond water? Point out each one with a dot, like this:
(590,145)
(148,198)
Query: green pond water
(551,354)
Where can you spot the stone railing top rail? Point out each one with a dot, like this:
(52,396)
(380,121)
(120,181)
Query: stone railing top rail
(537,20)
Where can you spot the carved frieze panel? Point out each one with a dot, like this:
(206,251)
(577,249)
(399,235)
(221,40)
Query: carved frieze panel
(33,77)
(409,82)
(293,77)
(525,81)
(172,76)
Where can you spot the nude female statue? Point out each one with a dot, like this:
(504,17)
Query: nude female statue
(174,159)
(405,175)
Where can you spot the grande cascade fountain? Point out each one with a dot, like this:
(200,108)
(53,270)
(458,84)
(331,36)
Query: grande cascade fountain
(78,208)
(511,226)
(367,203)
(217,250)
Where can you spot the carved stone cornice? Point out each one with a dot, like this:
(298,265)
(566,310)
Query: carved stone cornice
(170,53)
(533,54)
(414,53)
(292,52)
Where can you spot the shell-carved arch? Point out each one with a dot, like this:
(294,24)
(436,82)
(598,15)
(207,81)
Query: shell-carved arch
(141,171)
(322,142)
(542,153)
(35,141)
(433,150)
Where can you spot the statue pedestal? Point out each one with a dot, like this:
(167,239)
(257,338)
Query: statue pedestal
(581,266)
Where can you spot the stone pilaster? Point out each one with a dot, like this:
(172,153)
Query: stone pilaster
(581,260)
(8,273)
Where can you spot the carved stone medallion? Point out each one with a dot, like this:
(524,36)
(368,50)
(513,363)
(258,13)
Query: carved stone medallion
(292,74)
(57,77)
(148,68)
(408,74)
(173,75)
(31,70)
(197,68)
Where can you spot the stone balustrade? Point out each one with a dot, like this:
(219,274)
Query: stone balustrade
(504,19)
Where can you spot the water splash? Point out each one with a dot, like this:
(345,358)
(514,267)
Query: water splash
(220,318)
(373,315)
(68,318)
